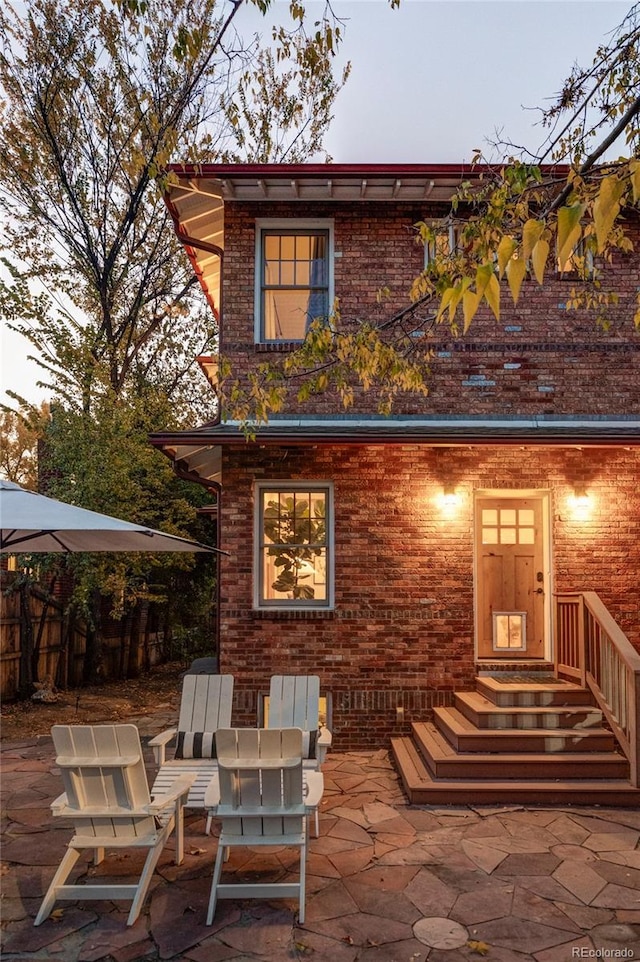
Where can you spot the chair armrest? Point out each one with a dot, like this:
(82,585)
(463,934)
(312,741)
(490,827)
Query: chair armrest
(159,743)
(59,803)
(180,787)
(324,738)
(314,788)
(323,744)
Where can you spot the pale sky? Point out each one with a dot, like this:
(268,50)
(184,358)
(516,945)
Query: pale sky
(430,82)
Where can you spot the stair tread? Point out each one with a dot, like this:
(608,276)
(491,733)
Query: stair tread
(428,731)
(416,776)
(481,704)
(463,726)
(530,686)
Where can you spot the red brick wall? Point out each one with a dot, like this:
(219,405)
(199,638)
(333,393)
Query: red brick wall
(538,359)
(402,629)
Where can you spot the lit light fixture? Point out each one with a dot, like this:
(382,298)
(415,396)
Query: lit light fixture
(449,494)
(580,494)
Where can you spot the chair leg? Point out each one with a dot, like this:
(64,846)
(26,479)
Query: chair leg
(145,878)
(217,872)
(303,879)
(98,856)
(207,828)
(179,831)
(70,858)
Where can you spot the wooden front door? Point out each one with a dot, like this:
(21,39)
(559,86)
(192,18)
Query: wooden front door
(510,611)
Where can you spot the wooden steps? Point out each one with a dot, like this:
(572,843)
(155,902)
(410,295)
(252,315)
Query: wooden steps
(514,741)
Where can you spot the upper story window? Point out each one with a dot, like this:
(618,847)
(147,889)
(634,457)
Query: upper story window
(293,545)
(294,281)
(443,243)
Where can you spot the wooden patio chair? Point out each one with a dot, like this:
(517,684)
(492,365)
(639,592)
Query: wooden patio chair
(263,797)
(294,702)
(205,706)
(107,797)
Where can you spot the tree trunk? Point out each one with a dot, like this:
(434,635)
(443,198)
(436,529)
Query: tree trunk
(93,656)
(25,680)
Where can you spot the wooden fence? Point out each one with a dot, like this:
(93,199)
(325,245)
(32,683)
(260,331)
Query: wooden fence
(38,640)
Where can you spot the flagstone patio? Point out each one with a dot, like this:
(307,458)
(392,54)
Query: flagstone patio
(387,882)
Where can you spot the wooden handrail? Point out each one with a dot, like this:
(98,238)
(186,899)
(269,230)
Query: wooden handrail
(593,650)
(603,616)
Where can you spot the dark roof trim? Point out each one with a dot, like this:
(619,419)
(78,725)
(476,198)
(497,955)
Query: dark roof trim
(300,171)
(624,430)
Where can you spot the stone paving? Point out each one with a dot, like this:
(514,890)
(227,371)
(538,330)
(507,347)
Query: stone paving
(387,882)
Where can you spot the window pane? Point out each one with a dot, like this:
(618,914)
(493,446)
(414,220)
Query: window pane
(287,247)
(489,535)
(526,536)
(507,516)
(525,516)
(287,273)
(303,247)
(295,280)
(285,315)
(489,516)
(507,535)
(272,247)
(293,552)
(272,272)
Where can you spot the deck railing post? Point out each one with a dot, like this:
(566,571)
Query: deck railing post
(634,728)
(583,614)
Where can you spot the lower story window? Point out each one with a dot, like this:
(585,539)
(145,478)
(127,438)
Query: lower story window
(293,546)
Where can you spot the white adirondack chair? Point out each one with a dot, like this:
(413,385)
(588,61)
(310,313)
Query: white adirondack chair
(294,702)
(205,706)
(107,797)
(263,798)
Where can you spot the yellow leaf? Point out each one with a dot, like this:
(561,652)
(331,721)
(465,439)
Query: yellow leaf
(476,946)
(57,915)
(634,171)
(531,233)
(492,296)
(458,292)
(606,208)
(569,231)
(539,256)
(470,304)
(483,275)
(506,249)
(516,272)
(444,302)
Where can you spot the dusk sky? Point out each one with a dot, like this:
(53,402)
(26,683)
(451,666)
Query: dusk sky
(430,82)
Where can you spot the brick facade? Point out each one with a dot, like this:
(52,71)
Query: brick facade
(401,633)
(540,358)
(402,629)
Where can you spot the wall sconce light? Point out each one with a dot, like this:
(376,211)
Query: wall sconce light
(449,495)
(580,495)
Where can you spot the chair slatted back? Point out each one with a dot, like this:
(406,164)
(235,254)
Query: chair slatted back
(206,703)
(294,702)
(261,781)
(104,778)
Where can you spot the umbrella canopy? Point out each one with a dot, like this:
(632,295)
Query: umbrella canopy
(31,522)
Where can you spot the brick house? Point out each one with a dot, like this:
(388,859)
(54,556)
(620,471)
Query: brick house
(481,532)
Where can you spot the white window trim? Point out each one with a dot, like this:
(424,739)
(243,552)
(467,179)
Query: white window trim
(286,223)
(284,485)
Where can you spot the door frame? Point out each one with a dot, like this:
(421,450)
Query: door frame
(543,495)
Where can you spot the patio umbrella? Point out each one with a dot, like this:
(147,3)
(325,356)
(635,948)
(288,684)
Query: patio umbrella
(31,522)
